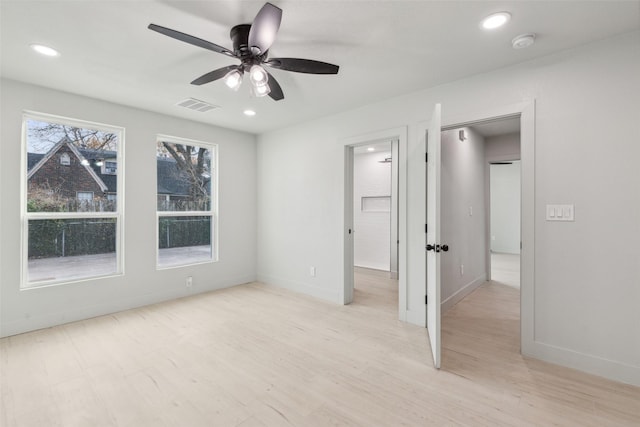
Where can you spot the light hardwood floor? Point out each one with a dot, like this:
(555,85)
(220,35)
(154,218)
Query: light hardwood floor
(505,268)
(256,355)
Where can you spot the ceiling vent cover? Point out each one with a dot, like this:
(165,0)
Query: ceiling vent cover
(196,105)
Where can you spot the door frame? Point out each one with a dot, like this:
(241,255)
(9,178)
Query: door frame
(526,111)
(487,195)
(399,134)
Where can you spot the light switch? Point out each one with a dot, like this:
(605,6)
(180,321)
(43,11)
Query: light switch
(551,212)
(560,213)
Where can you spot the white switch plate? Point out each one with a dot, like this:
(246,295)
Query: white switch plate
(560,213)
(312,271)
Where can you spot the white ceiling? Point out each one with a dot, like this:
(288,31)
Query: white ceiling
(384,49)
(498,127)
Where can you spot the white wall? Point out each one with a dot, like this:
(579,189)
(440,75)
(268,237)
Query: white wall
(503,147)
(463,213)
(505,207)
(372,236)
(142,283)
(586,131)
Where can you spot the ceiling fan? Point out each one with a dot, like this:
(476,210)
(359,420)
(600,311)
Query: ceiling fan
(251,43)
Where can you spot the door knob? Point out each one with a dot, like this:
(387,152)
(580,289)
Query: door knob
(431,247)
(444,248)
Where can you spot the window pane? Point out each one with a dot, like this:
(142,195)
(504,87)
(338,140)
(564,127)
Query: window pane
(63,161)
(184,240)
(184,177)
(68,249)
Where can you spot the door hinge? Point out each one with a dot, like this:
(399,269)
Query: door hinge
(426,299)
(426,157)
(426,228)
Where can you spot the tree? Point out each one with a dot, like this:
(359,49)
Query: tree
(193,162)
(43,135)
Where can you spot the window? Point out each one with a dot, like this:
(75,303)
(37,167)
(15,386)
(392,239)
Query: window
(72,212)
(186,201)
(65,160)
(86,196)
(109,167)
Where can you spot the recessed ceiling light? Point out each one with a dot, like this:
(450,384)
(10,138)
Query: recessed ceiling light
(371,149)
(495,20)
(523,40)
(249,113)
(45,50)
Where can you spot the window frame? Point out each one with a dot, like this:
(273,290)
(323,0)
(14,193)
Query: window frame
(25,216)
(66,158)
(213,210)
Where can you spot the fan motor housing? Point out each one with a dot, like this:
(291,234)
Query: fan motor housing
(240,39)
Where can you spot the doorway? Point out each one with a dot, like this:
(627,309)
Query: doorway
(481,221)
(504,222)
(372,205)
(375,232)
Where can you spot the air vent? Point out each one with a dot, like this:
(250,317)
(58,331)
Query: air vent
(196,105)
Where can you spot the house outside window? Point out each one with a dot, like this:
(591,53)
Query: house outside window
(72,229)
(186,201)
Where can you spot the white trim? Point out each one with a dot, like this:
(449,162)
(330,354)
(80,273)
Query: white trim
(117,303)
(595,365)
(346,287)
(526,111)
(487,201)
(300,287)
(462,292)
(25,216)
(214,207)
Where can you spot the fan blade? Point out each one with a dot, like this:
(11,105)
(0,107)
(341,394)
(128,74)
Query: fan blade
(298,65)
(276,91)
(264,28)
(190,39)
(214,75)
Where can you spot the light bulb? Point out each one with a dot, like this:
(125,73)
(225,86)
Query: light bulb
(233,79)
(496,20)
(261,90)
(45,50)
(258,75)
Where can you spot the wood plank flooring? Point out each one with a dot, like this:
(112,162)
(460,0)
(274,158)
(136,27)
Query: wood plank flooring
(505,268)
(257,355)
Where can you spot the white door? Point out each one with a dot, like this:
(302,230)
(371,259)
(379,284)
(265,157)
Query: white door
(434,247)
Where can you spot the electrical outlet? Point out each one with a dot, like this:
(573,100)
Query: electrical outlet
(312,271)
(189,282)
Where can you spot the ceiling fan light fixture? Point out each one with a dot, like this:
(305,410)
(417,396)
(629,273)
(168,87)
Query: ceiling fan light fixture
(260,90)
(233,79)
(258,75)
(251,42)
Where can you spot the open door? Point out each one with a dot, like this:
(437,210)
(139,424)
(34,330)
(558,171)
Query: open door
(433,246)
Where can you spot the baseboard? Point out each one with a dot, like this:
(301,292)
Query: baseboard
(303,288)
(33,323)
(462,292)
(594,365)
